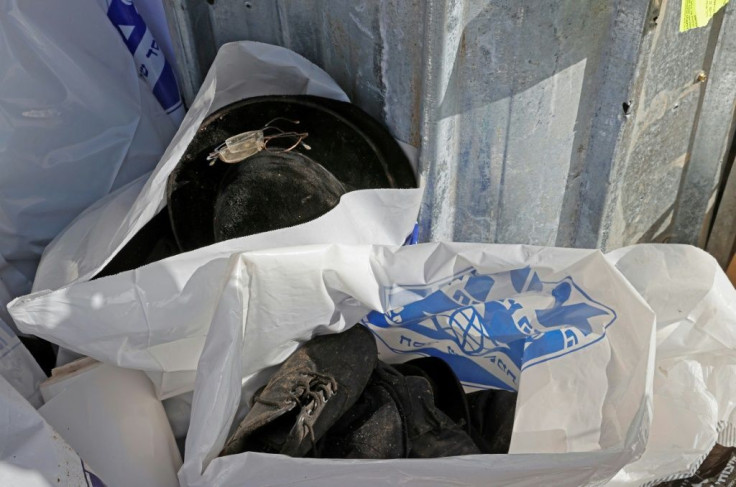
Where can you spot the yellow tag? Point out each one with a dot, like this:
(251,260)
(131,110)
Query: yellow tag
(697,13)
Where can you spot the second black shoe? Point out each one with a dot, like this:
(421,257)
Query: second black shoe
(447,390)
(492,419)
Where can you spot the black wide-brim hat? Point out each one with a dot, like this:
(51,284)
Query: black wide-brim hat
(358,151)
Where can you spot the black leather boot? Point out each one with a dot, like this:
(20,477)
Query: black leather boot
(395,418)
(307,395)
(372,428)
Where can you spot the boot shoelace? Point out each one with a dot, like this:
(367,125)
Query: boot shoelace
(319,389)
(312,391)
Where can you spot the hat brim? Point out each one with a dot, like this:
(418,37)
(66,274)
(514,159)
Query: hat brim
(350,144)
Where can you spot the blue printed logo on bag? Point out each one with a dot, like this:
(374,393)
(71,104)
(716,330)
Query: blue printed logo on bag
(489,328)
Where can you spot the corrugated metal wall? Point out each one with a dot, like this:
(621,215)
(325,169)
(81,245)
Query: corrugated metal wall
(550,122)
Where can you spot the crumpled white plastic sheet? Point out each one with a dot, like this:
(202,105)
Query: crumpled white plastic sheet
(18,366)
(32,454)
(695,367)
(76,122)
(580,417)
(155,318)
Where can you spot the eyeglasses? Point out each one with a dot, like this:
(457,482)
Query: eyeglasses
(244,145)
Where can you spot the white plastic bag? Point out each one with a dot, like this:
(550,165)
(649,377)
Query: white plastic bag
(76,122)
(695,380)
(32,454)
(240,70)
(155,318)
(581,414)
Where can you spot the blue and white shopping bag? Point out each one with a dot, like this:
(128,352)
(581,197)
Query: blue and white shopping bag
(150,61)
(491,327)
